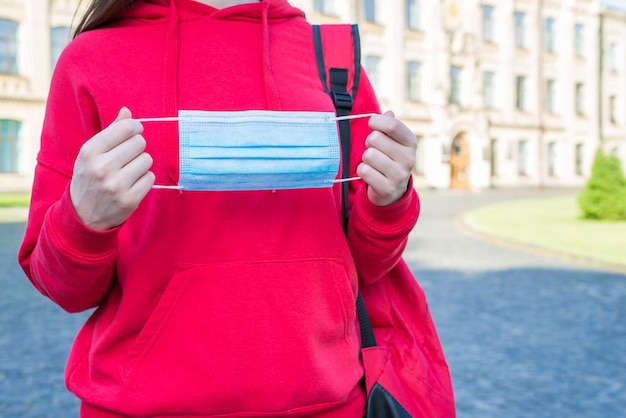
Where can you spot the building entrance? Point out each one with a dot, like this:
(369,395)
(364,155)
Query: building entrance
(460,163)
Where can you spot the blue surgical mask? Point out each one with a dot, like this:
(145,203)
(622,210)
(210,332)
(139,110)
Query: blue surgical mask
(256,150)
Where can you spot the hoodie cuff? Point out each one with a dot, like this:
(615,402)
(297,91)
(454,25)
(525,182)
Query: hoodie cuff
(399,216)
(75,237)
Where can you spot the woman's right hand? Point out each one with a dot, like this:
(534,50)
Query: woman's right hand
(111,174)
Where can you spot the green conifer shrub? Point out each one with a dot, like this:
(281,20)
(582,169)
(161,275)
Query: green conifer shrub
(604,196)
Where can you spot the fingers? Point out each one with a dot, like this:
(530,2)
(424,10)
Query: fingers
(141,187)
(111,174)
(131,173)
(393,128)
(120,130)
(126,151)
(110,163)
(391,148)
(387,146)
(388,159)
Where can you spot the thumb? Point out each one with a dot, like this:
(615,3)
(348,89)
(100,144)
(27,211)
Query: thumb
(390,113)
(124,113)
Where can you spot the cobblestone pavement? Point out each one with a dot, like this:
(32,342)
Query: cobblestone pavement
(526,334)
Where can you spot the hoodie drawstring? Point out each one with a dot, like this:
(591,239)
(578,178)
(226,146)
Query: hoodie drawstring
(271,92)
(170,89)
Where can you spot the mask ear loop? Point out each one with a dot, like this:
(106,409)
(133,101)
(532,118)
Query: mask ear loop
(176,119)
(168,119)
(362,115)
(338,118)
(162,187)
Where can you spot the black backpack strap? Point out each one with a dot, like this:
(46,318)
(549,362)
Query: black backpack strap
(342,90)
(335,68)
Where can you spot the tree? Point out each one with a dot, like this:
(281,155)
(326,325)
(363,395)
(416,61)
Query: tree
(604,196)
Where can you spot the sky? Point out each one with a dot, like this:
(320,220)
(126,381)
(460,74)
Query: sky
(618,4)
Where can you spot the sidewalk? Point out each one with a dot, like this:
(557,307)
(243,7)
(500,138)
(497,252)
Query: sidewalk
(13,215)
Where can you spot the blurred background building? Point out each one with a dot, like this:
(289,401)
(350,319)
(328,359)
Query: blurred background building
(500,93)
(32,35)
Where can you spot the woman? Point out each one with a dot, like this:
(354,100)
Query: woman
(230,303)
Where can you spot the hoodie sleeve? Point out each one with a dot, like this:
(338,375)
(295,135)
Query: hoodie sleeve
(66,261)
(377,235)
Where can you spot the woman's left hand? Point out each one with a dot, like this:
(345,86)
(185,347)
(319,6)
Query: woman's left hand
(388,159)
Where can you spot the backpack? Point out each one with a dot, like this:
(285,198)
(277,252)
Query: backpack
(406,373)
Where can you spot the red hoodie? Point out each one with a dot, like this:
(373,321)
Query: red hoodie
(221,304)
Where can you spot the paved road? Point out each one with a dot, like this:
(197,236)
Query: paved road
(526,335)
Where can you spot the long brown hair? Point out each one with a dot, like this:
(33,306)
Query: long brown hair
(100,12)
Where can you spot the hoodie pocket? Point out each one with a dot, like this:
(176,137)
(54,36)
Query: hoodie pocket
(255,337)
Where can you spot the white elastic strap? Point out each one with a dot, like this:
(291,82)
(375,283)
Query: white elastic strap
(172,119)
(160,187)
(176,118)
(363,115)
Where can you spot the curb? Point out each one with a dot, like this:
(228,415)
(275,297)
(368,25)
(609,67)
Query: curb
(463,226)
(13,215)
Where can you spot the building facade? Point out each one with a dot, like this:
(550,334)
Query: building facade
(502,93)
(32,34)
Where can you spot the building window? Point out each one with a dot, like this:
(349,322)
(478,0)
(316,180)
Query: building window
(578,40)
(370,10)
(613,57)
(580,99)
(373,68)
(8,47)
(488,23)
(552,159)
(455,85)
(519,29)
(59,37)
(413,14)
(9,137)
(488,89)
(445,154)
(493,157)
(326,7)
(520,90)
(579,159)
(550,108)
(613,109)
(548,35)
(419,168)
(413,81)
(522,158)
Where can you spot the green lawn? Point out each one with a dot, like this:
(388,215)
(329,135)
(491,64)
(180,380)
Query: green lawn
(553,224)
(14,200)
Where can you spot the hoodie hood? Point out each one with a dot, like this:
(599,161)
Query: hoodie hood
(173,13)
(149,11)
